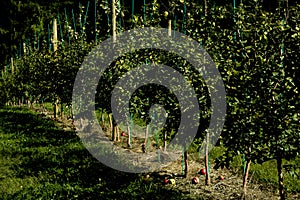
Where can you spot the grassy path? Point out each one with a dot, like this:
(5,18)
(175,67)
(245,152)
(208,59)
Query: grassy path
(41,161)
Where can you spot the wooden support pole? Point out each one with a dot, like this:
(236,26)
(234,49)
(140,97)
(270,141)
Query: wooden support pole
(24,48)
(54,40)
(12,65)
(55,108)
(245,178)
(129,129)
(114,21)
(169,34)
(96,36)
(129,135)
(207,167)
(170,28)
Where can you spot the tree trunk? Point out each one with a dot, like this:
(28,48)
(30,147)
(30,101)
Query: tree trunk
(116,133)
(103,121)
(12,65)
(185,163)
(72,114)
(144,148)
(55,109)
(245,178)
(280,178)
(42,107)
(111,128)
(32,104)
(62,110)
(129,135)
(165,141)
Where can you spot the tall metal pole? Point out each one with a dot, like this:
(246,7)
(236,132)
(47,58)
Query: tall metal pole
(144,9)
(132,10)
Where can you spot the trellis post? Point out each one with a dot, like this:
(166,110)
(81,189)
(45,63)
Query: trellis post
(114,21)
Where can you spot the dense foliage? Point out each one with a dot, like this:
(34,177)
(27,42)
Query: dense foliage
(256,51)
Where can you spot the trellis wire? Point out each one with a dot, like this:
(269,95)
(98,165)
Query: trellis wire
(49,38)
(151,15)
(74,21)
(67,22)
(38,40)
(174,22)
(156,138)
(106,6)
(130,129)
(61,31)
(147,126)
(144,10)
(86,13)
(34,40)
(80,21)
(120,19)
(132,10)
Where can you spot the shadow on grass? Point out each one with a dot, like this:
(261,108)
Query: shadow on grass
(63,167)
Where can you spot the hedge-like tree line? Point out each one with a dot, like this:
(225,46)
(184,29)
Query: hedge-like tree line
(256,51)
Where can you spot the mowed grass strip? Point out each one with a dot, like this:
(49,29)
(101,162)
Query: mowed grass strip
(41,161)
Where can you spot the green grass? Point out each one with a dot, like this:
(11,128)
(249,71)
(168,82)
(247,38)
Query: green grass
(40,161)
(266,173)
